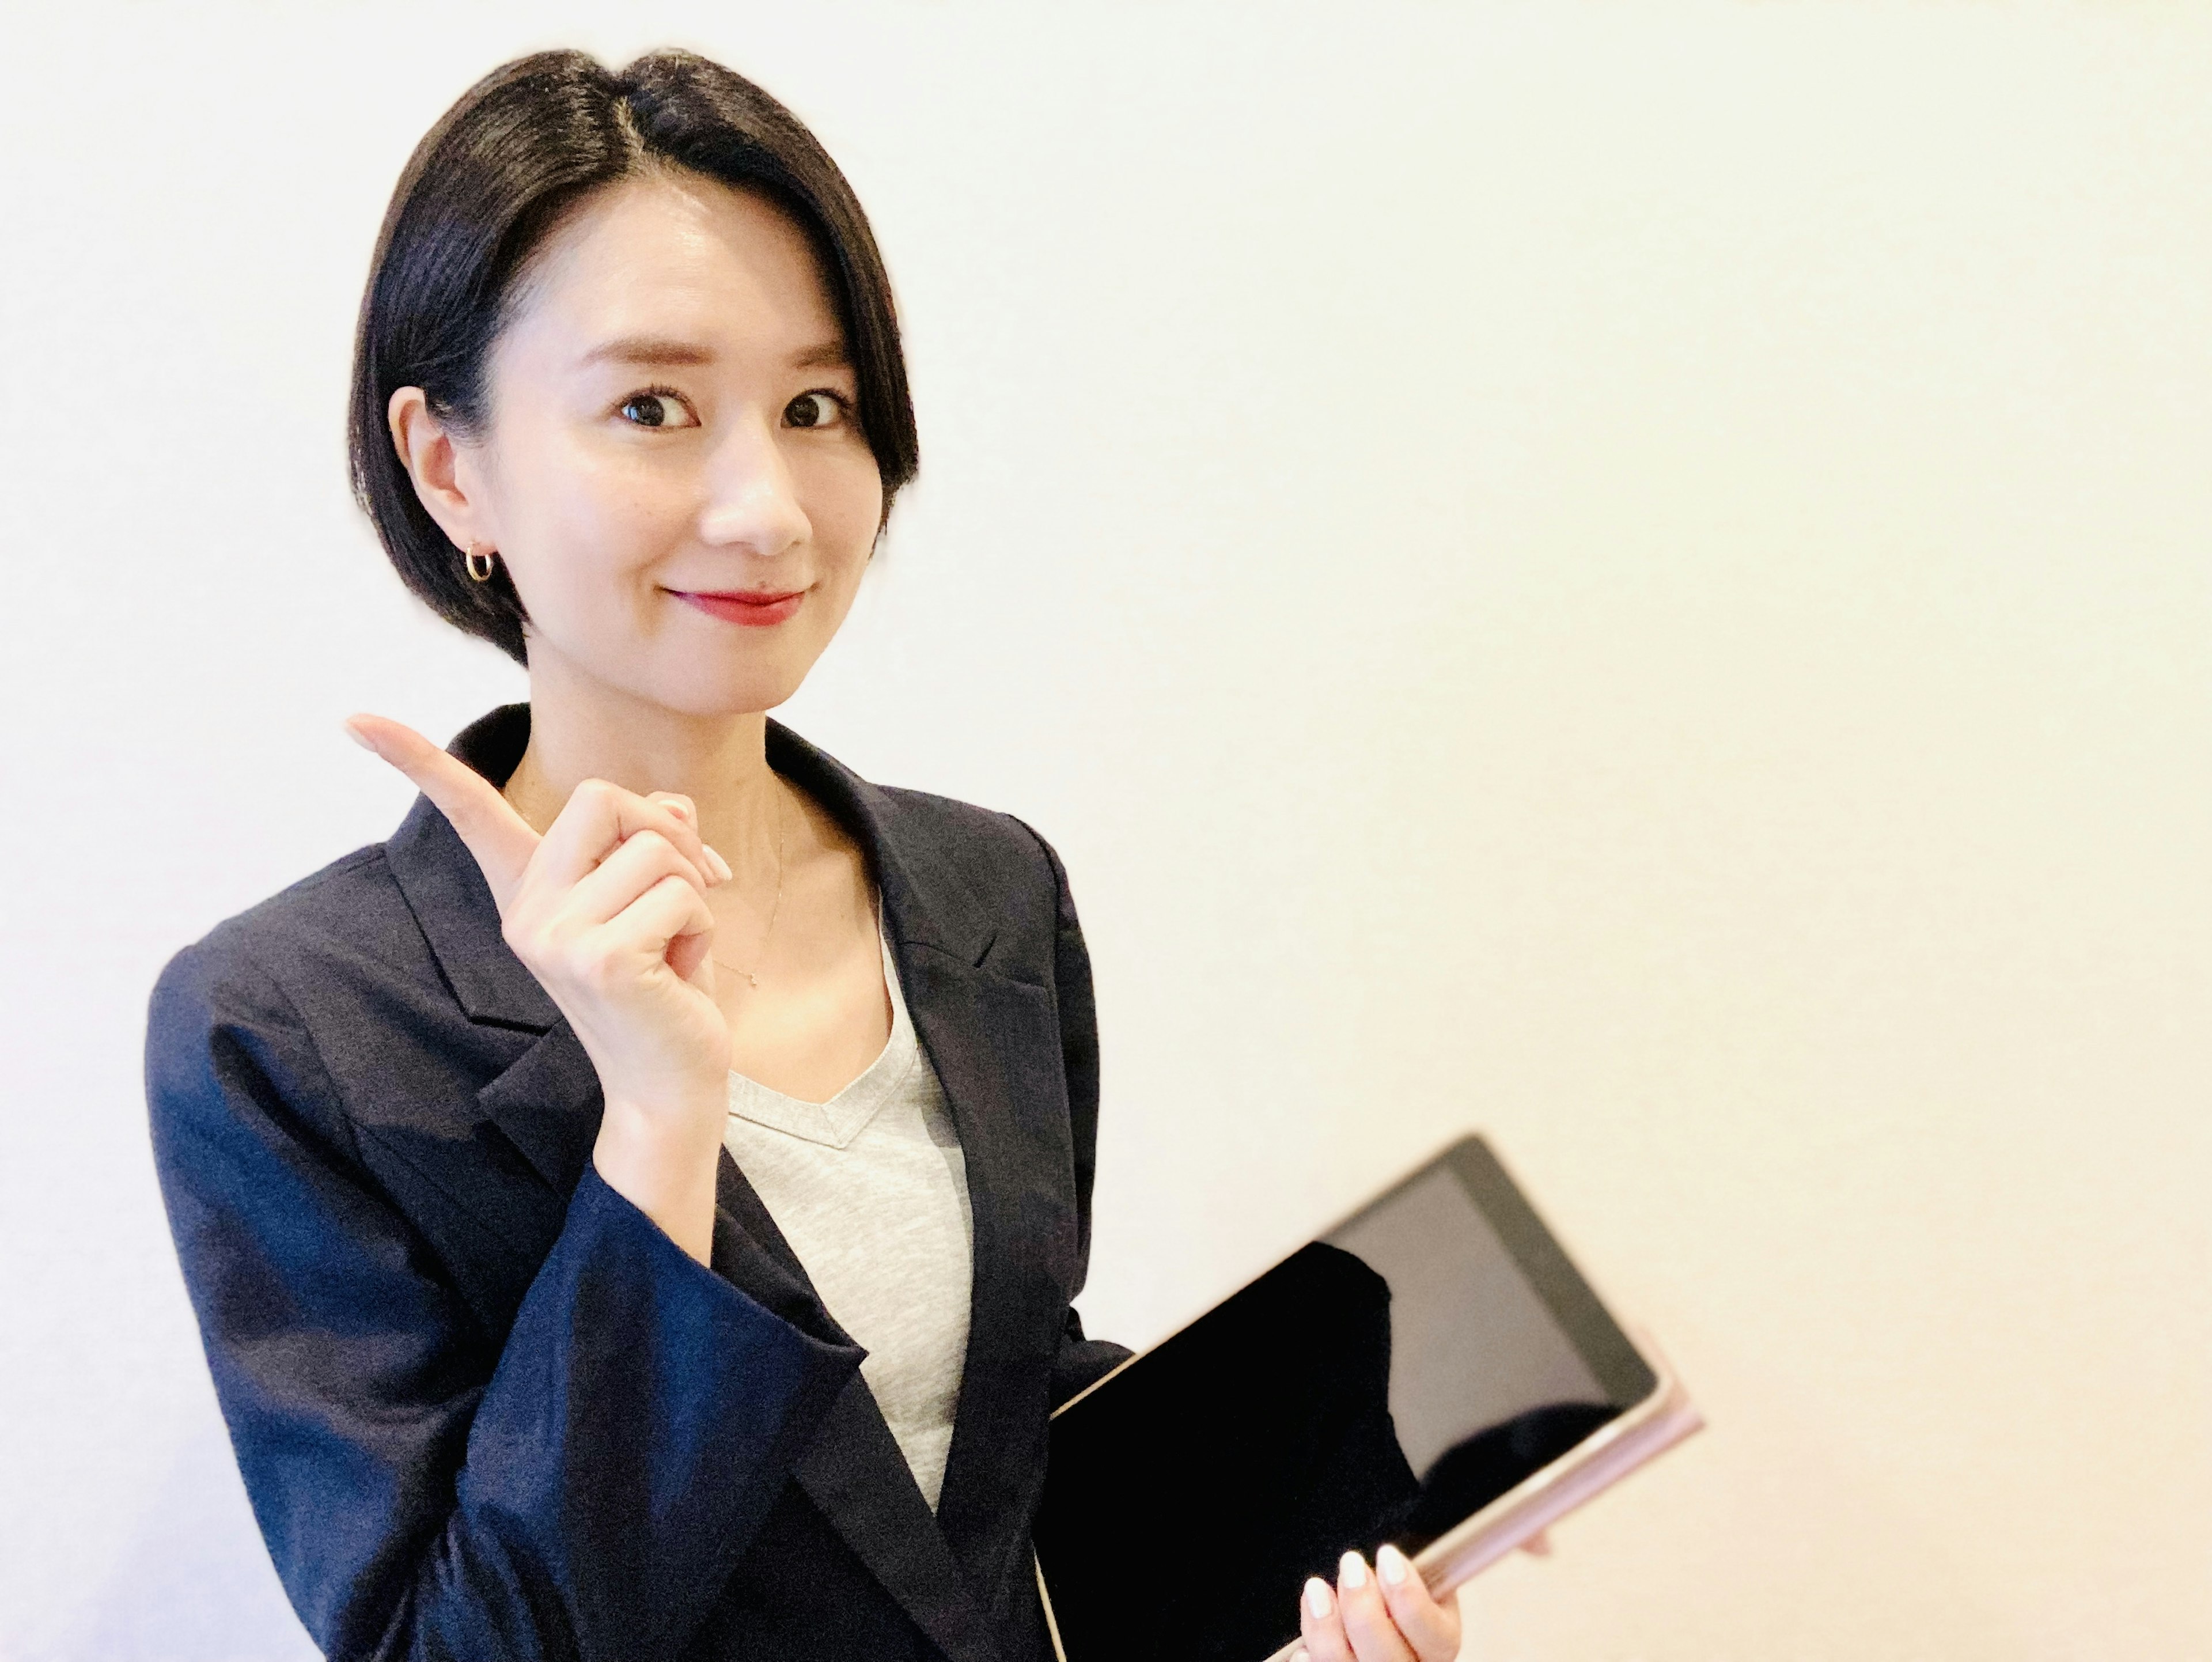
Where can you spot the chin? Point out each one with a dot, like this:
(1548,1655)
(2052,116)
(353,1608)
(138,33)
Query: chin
(691,679)
(743,693)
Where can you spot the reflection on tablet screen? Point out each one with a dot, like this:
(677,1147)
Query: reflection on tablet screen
(1382,1383)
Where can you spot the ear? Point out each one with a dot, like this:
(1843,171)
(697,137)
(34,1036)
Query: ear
(447,481)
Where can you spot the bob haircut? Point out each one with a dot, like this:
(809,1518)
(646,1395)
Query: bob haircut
(501,170)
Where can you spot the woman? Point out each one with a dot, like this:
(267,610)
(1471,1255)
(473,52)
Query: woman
(634,1212)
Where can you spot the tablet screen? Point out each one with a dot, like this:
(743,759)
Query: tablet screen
(1382,1383)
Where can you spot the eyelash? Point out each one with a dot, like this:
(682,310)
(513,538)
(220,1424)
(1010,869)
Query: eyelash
(844,405)
(668,392)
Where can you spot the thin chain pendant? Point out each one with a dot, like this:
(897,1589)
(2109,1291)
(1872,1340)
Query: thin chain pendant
(774,907)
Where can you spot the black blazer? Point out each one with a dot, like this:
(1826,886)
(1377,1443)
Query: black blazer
(483,1406)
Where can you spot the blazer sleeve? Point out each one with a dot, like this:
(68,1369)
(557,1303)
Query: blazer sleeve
(1081,1362)
(580,1489)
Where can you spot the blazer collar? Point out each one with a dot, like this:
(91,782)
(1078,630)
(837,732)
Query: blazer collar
(926,900)
(453,904)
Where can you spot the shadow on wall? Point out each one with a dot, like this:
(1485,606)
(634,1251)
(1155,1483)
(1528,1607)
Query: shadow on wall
(194,1583)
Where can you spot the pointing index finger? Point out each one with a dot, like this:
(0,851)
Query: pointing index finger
(487,826)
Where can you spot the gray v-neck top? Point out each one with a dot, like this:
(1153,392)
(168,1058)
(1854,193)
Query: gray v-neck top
(871,1190)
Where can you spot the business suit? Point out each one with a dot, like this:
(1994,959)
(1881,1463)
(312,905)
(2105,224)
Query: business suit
(483,1407)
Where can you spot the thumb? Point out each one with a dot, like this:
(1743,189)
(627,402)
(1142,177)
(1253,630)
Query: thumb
(487,826)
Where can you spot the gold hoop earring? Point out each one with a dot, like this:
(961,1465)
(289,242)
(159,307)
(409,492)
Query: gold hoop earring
(469,559)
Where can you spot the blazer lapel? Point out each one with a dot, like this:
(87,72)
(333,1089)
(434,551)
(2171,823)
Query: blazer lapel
(990,1039)
(854,1471)
(453,904)
(993,1042)
(548,1102)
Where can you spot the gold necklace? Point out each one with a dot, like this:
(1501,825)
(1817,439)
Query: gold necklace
(768,933)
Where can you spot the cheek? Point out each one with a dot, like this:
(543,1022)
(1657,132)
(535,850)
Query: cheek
(587,528)
(844,498)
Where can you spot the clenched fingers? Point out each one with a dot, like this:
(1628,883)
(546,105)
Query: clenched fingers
(665,921)
(644,858)
(671,919)
(599,816)
(718,869)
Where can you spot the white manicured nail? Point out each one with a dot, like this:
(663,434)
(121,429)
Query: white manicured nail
(1351,1572)
(717,865)
(1317,1599)
(1390,1564)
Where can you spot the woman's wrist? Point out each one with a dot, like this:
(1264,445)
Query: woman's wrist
(664,1163)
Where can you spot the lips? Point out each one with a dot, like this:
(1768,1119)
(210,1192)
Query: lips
(750,608)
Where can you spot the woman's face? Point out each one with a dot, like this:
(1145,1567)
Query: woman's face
(673,471)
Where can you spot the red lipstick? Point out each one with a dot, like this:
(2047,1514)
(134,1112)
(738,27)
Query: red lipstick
(752,608)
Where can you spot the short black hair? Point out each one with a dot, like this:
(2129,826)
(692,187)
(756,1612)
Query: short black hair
(486,187)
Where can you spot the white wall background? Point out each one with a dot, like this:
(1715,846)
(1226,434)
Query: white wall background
(1636,576)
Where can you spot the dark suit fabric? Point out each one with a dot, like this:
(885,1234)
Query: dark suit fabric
(483,1407)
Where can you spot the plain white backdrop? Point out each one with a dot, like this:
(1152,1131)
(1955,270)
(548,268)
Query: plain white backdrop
(1636,577)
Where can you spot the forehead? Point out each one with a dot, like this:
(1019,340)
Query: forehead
(674,255)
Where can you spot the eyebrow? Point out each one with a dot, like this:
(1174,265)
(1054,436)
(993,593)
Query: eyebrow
(657,351)
(652,350)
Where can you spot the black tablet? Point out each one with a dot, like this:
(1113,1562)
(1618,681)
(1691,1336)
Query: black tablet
(1431,1360)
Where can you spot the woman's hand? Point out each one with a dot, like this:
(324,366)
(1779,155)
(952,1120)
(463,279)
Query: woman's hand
(609,911)
(1382,1615)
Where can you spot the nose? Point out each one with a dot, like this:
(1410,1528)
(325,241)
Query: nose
(753,501)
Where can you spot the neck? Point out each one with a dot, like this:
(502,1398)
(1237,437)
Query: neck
(582,728)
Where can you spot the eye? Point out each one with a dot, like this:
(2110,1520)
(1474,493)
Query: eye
(819,408)
(657,406)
